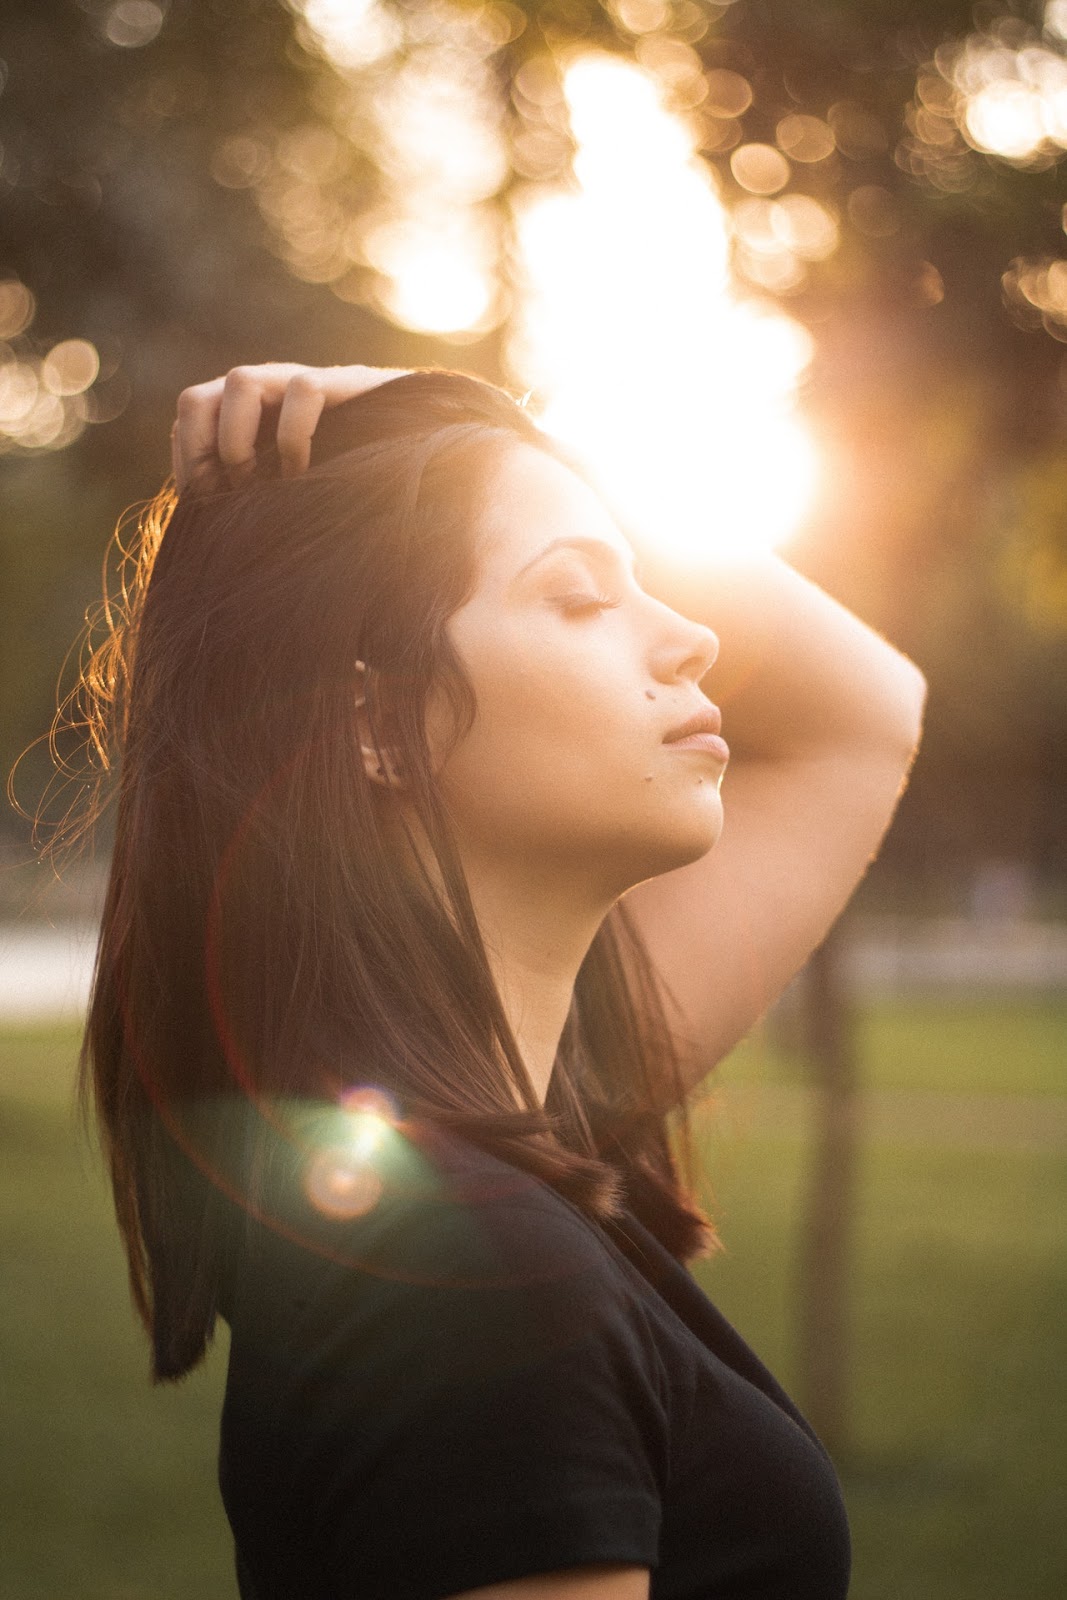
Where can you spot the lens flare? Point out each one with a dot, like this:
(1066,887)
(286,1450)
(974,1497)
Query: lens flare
(342,1178)
(370,1114)
(371,1101)
(340,1185)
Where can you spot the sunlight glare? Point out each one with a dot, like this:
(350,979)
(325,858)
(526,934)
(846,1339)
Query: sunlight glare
(350,33)
(442,155)
(678,397)
(1012,102)
(436,276)
(1006,119)
(1055,20)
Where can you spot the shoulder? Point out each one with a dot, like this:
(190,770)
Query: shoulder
(424,1223)
(467,1279)
(450,1216)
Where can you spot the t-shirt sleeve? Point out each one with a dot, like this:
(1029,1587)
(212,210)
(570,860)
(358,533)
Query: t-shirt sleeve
(465,1414)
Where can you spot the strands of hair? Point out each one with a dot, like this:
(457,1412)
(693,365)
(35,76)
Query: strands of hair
(261,937)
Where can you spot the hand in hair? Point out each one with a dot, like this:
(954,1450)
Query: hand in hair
(218,421)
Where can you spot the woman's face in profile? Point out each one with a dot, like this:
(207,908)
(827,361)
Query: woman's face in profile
(579,677)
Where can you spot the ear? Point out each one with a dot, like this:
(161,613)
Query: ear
(384,768)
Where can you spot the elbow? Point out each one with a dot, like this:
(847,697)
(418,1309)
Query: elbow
(918,691)
(905,724)
(892,725)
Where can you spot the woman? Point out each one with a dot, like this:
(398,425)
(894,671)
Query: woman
(415,934)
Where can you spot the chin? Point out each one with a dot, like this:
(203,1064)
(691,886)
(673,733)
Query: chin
(698,825)
(683,844)
(695,847)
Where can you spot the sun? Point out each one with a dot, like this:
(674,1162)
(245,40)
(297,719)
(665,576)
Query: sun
(679,397)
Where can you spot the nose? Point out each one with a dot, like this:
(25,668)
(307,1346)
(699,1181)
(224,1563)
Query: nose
(683,648)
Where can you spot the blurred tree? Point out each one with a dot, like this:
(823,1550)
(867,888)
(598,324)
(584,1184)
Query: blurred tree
(824,1249)
(112,215)
(189,185)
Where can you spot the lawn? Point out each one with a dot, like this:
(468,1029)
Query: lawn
(999,1047)
(954,1478)
(107,1486)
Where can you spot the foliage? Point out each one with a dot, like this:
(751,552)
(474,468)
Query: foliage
(204,192)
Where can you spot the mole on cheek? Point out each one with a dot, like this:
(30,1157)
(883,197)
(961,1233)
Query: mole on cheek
(649,694)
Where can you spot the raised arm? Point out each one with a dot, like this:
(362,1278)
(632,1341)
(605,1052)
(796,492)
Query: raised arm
(823,718)
(822,715)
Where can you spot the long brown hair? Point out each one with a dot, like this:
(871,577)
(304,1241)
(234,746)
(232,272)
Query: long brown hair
(259,930)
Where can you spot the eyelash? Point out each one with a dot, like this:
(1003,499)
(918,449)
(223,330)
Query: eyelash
(577,604)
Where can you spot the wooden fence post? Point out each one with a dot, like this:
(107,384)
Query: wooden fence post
(826,1228)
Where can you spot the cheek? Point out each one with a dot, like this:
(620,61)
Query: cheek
(564,762)
(549,712)
(530,743)
(567,764)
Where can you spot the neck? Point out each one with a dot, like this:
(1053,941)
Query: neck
(536,937)
(537,926)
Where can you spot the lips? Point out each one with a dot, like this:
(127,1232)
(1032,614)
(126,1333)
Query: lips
(708,720)
(701,734)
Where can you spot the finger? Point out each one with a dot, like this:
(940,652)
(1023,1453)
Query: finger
(307,395)
(302,406)
(246,390)
(243,394)
(344,383)
(193,438)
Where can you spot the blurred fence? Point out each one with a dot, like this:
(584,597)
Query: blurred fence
(45,970)
(895,954)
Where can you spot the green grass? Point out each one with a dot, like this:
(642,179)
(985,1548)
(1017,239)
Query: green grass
(108,1486)
(954,1478)
(1016,1047)
(959,1326)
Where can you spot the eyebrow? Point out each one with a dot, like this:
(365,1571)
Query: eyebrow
(593,547)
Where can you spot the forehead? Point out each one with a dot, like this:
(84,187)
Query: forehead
(531,501)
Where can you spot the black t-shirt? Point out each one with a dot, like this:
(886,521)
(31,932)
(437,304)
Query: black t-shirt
(473,1382)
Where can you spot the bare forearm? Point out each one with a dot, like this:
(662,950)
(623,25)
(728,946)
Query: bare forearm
(796,672)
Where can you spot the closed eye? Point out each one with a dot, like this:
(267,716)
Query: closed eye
(584,603)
